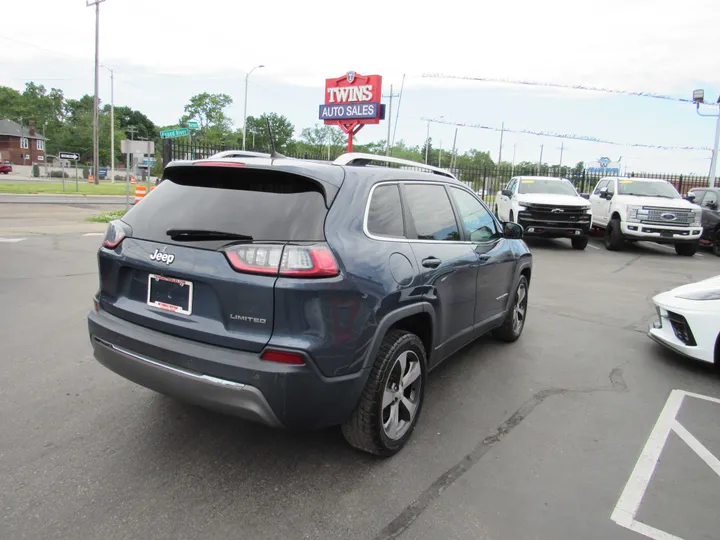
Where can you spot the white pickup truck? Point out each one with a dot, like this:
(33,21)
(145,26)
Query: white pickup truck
(546,207)
(632,209)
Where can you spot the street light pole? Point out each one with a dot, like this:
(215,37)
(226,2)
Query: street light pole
(112,124)
(427,143)
(96,142)
(247,76)
(698,98)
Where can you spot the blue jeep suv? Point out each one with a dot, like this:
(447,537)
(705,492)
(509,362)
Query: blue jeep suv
(304,295)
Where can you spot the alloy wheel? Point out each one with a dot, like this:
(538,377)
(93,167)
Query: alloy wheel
(401,397)
(520,308)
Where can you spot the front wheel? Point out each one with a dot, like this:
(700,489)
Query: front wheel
(613,239)
(686,250)
(514,321)
(390,404)
(580,242)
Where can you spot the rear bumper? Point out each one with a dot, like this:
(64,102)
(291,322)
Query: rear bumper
(227,380)
(218,394)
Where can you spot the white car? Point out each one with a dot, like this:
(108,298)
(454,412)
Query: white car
(546,207)
(632,209)
(689,320)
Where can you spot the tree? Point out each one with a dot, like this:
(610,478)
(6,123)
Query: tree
(209,111)
(257,133)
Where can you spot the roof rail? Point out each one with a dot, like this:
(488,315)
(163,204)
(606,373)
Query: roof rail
(238,154)
(361,159)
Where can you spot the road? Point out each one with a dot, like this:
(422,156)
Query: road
(533,440)
(64,199)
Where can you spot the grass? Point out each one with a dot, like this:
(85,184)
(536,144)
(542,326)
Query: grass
(107,217)
(28,188)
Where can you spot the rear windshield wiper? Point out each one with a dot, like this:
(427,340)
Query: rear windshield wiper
(202,234)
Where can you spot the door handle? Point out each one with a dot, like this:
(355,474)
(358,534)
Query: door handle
(431,262)
(483,258)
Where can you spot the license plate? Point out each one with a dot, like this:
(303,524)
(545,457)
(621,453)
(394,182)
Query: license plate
(666,234)
(170,294)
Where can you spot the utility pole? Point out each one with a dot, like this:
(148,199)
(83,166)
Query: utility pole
(513,163)
(46,148)
(132,130)
(389,119)
(21,139)
(540,164)
(562,148)
(427,143)
(698,98)
(96,142)
(454,149)
(112,124)
(440,157)
(502,132)
(247,76)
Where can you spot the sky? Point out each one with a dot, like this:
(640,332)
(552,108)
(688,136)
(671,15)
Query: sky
(165,51)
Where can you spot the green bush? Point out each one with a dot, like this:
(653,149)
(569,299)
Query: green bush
(36,170)
(59,174)
(86,173)
(119,177)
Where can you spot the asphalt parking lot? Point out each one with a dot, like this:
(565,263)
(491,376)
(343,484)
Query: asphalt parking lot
(553,437)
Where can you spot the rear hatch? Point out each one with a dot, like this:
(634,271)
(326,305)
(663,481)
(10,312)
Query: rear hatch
(202,252)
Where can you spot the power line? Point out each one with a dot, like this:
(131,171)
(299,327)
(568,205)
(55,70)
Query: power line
(558,85)
(572,136)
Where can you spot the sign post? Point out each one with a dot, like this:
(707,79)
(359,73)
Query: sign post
(352,101)
(71,156)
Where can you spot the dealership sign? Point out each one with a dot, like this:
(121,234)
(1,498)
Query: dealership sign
(604,166)
(351,101)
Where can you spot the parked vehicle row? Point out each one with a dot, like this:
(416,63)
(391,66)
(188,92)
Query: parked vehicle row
(624,209)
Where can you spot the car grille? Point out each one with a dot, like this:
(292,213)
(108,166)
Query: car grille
(559,214)
(681,328)
(668,216)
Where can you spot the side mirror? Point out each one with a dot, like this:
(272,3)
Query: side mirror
(506,193)
(690,197)
(512,231)
(712,206)
(585,195)
(604,194)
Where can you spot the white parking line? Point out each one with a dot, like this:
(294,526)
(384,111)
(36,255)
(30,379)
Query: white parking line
(594,247)
(632,496)
(94,234)
(12,240)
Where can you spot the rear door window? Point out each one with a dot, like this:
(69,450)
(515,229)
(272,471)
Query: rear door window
(263,204)
(431,211)
(385,216)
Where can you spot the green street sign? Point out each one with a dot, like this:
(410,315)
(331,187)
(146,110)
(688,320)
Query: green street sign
(192,124)
(172,133)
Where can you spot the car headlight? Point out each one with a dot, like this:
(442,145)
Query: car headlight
(588,209)
(701,295)
(522,208)
(696,219)
(636,213)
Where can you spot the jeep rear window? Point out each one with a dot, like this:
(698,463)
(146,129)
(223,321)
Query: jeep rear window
(264,204)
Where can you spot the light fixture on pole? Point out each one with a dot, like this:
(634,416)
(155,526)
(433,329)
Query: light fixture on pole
(698,98)
(96,142)
(247,76)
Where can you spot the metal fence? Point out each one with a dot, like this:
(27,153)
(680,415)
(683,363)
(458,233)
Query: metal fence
(485,181)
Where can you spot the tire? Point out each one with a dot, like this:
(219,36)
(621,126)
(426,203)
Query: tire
(374,425)
(579,243)
(512,327)
(687,250)
(613,239)
(716,242)
(512,218)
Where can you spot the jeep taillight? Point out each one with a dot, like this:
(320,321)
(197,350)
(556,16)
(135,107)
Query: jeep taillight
(117,231)
(288,261)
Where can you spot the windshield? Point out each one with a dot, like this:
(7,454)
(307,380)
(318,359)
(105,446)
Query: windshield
(553,187)
(648,189)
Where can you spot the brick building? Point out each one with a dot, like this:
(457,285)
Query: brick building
(21,145)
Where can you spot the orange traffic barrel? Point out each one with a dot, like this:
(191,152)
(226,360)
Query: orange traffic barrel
(91,179)
(140,192)
(132,180)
